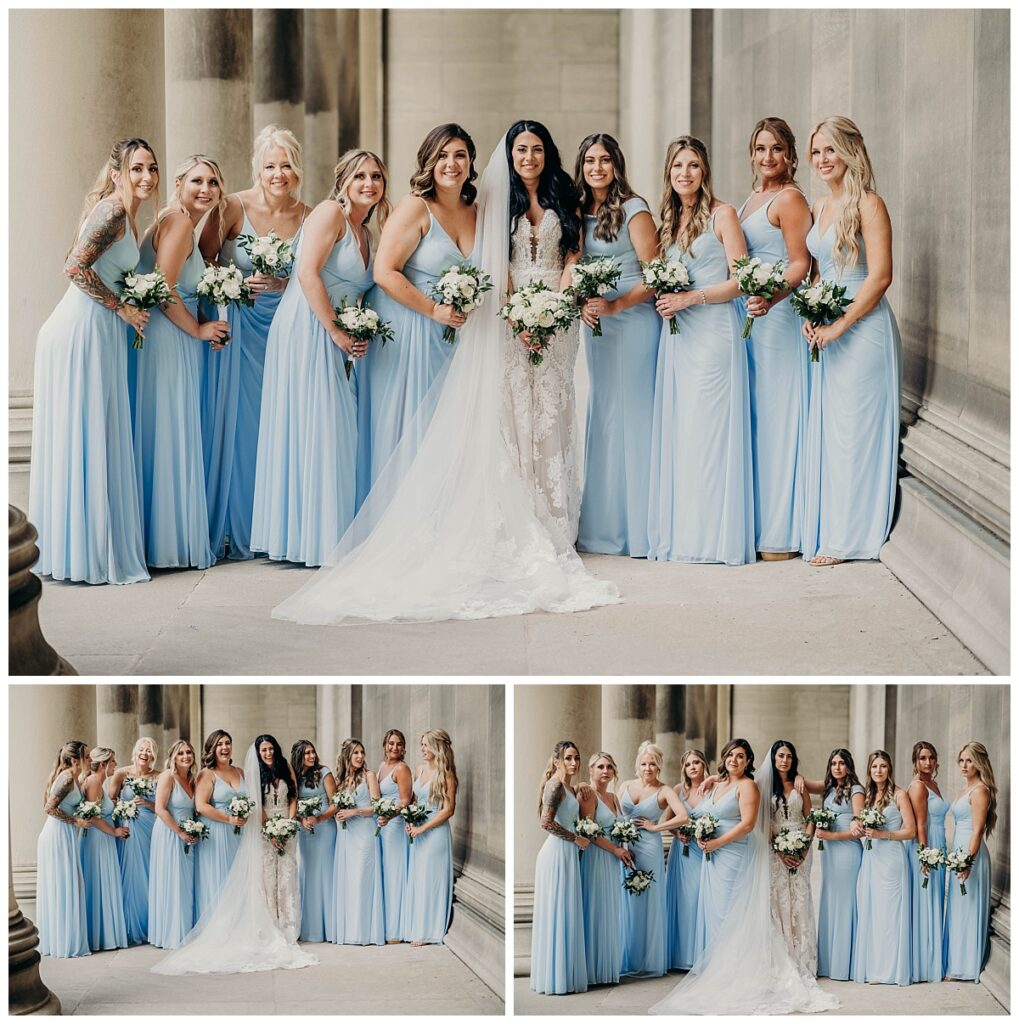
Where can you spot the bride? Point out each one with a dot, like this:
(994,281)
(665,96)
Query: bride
(255,922)
(451,530)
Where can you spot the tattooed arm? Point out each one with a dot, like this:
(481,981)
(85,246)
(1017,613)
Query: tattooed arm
(52,808)
(550,801)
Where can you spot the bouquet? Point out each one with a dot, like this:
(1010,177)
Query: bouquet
(792,841)
(384,807)
(820,304)
(145,788)
(125,810)
(461,286)
(636,881)
(145,291)
(362,323)
(624,832)
(594,276)
(822,818)
(665,276)
(958,861)
(588,828)
(870,817)
(193,827)
(89,809)
(541,311)
(270,254)
(930,857)
(282,830)
(755,277)
(414,814)
(308,808)
(223,285)
(689,830)
(705,827)
(240,807)
(345,801)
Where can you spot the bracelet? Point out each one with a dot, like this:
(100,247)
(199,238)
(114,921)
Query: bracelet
(704,296)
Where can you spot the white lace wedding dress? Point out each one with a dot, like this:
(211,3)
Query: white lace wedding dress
(280,876)
(792,906)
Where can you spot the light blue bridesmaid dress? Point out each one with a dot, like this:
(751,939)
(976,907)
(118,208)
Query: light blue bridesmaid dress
(853,427)
(644,952)
(231,409)
(777,359)
(395,861)
(215,856)
(83,496)
(601,883)
(305,476)
(558,955)
(134,870)
(682,892)
(358,917)
(104,896)
(927,942)
(967,918)
(881,947)
(60,913)
(318,854)
(617,446)
(393,378)
(428,898)
(172,876)
(168,430)
(837,916)
(701,499)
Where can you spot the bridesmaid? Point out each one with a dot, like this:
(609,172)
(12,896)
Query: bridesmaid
(775,219)
(599,875)
(60,913)
(358,917)
(100,864)
(881,950)
(317,842)
(135,853)
(232,388)
(83,490)
(428,898)
(395,783)
(172,869)
(167,402)
(558,956)
(307,448)
(853,428)
(218,783)
(430,230)
(701,505)
(967,917)
(644,917)
(621,363)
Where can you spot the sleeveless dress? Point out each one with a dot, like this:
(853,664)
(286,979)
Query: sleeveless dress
(837,917)
(558,957)
(682,893)
(967,918)
(927,940)
(358,917)
(318,851)
(280,877)
(231,408)
(104,896)
(792,906)
(393,378)
(168,430)
(307,436)
(539,402)
(60,913)
(881,947)
(428,898)
(83,495)
(778,363)
(617,440)
(215,855)
(135,853)
(701,498)
(853,427)
(601,884)
(393,841)
(644,951)
(172,876)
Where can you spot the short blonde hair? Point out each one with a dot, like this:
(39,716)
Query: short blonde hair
(268,138)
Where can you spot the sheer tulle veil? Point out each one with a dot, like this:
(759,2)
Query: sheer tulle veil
(239,933)
(449,530)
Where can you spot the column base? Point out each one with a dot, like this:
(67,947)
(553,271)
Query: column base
(477,935)
(26,992)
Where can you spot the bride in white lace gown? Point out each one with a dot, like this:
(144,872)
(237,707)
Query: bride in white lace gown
(280,872)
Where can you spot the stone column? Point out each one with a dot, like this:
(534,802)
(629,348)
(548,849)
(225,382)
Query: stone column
(867,708)
(695,717)
(371,81)
(627,720)
(322,52)
(170,729)
(670,715)
(150,716)
(279,37)
(117,718)
(26,992)
(348,27)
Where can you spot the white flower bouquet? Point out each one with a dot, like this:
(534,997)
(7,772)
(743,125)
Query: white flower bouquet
(414,814)
(145,291)
(667,275)
(308,808)
(145,788)
(362,323)
(88,809)
(125,810)
(537,309)
(820,304)
(704,828)
(624,831)
(240,807)
(193,827)
(636,881)
(270,255)
(688,830)
(755,277)
(821,817)
(958,861)
(792,841)
(588,828)
(594,276)
(223,286)
(931,858)
(281,829)
(384,807)
(462,287)
(871,817)
(345,800)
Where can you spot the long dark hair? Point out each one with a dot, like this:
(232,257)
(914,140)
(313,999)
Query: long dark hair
(777,788)
(843,790)
(309,776)
(280,769)
(556,191)
(723,772)
(611,214)
(209,750)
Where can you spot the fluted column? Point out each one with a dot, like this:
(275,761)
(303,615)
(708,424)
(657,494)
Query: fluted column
(670,715)
(370,81)
(26,992)
(150,716)
(348,28)
(279,76)
(117,718)
(170,729)
(627,720)
(321,87)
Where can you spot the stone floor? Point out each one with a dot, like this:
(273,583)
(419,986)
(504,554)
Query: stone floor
(772,618)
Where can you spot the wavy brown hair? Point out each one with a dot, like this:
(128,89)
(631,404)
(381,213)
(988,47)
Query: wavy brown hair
(671,210)
(422,181)
(723,772)
(309,777)
(778,127)
(844,791)
(348,777)
(209,747)
(870,792)
(611,213)
(921,745)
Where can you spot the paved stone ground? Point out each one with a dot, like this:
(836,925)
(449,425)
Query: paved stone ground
(772,618)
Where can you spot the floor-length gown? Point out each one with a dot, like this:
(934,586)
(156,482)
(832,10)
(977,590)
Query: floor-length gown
(837,916)
(777,359)
(358,916)
(682,893)
(280,876)
(967,940)
(83,496)
(305,476)
(172,876)
(395,858)
(428,898)
(644,932)
(135,853)
(168,429)
(928,916)
(318,852)
(104,895)
(792,905)
(853,428)
(601,884)
(617,446)
(701,505)
(216,854)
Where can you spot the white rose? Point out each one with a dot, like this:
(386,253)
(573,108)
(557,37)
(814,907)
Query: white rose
(232,290)
(762,274)
(546,318)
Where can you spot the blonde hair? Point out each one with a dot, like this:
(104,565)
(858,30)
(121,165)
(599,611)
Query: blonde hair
(781,130)
(137,746)
(847,141)
(595,758)
(553,767)
(647,747)
(439,743)
(171,757)
(982,760)
(99,756)
(72,749)
(870,794)
(348,777)
(672,209)
(184,168)
(343,174)
(684,782)
(268,138)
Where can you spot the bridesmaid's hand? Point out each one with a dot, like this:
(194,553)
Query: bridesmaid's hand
(309,823)
(822,337)
(800,784)
(757,305)
(709,845)
(121,832)
(823,833)
(133,317)
(624,855)
(83,822)
(644,824)
(582,842)
(352,346)
(448,316)
(875,833)
(213,331)
(963,875)
(382,822)
(236,822)
(414,831)
(676,302)
(856,828)
(265,283)
(345,812)
(190,840)
(684,839)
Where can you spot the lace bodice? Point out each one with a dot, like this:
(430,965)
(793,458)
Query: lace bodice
(534,252)
(788,816)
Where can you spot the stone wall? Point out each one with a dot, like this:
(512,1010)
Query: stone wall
(288,712)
